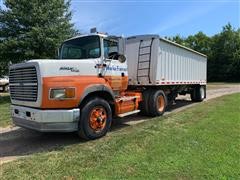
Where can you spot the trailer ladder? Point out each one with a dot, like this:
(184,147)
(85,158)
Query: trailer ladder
(148,55)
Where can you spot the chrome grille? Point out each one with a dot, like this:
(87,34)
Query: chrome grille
(23,84)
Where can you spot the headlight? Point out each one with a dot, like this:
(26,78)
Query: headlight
(62,93)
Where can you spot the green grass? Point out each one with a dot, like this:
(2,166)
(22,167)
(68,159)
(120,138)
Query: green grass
(219,85)
(199,143)
(5,111)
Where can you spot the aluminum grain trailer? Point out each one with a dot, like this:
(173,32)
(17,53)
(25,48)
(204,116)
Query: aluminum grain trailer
(157,63)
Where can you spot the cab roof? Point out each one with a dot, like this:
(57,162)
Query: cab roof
(94,34)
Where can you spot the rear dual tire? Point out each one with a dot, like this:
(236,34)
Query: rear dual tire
(154,103)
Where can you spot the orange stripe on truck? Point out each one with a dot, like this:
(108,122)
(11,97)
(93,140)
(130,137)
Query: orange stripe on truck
(80,83)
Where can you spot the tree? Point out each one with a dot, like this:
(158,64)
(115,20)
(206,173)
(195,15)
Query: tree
(178,39)
(33,29)
(199,42)
(226,55)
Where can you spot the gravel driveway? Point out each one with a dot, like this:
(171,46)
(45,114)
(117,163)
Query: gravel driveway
(18,142)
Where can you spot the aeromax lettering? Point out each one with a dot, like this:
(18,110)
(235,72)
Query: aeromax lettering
(72,69)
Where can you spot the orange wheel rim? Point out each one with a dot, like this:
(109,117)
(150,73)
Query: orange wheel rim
(98,118)
(161,103)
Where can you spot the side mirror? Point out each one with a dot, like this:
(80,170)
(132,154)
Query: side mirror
(121,58)
(115,55)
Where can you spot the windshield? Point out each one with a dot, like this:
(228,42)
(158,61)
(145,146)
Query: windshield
(81,48)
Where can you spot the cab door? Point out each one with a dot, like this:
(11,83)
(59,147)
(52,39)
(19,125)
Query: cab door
(114,71)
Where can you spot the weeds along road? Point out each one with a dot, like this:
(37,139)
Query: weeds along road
(18,142)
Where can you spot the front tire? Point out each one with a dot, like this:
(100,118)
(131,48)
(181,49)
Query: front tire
(95,119)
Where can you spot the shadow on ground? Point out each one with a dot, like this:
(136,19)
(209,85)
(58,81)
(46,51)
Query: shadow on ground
(21,142)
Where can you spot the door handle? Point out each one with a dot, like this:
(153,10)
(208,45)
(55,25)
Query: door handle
(100,65)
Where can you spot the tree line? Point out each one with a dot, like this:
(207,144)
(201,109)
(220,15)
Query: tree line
(35,29)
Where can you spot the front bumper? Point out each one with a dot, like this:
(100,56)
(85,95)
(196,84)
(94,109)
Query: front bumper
(46,120)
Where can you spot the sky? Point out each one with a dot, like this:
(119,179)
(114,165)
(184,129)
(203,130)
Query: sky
(163,17)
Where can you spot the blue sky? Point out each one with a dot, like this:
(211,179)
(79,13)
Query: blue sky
(164,17)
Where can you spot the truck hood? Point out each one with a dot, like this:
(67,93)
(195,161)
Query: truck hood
(66,67)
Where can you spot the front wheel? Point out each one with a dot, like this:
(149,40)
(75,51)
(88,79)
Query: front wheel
(95,119)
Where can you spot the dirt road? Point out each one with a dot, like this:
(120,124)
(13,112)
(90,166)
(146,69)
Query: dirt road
(17,142)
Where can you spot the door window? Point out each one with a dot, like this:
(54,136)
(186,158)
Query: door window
(110,49)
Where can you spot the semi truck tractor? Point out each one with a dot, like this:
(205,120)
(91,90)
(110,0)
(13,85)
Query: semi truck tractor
(98,77)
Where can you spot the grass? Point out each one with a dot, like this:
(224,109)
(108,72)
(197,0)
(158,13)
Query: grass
(201,142)
(218,85)
(5,119)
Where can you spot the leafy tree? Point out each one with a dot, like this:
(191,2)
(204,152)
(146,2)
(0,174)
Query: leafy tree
(178,39)
(226,55)
(199,42)
(33,29)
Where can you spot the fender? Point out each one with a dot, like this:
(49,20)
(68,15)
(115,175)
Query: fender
(96,88)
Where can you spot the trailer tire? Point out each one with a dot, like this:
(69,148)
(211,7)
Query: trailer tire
(144,104)
(157,103)
(95,119)
(198,94)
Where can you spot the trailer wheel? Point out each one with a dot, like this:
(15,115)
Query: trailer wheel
(198,94)
(95,119)
(157,103)
(144,105)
